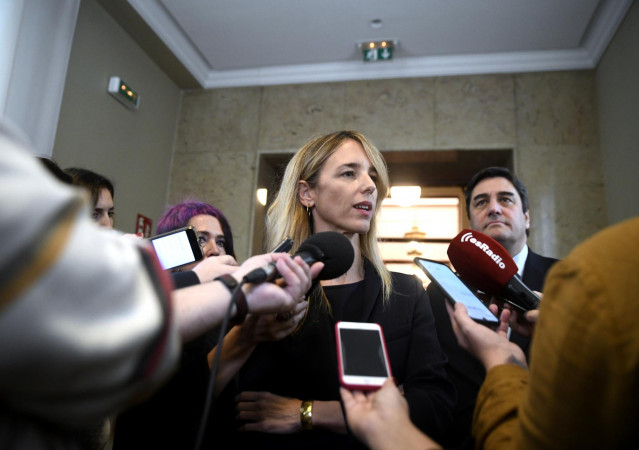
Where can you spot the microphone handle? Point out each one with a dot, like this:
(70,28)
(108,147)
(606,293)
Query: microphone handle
(519,295)
(308,257)
(270,273)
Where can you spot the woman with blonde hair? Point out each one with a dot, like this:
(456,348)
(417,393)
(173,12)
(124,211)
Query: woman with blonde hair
(287,392)
(304,169)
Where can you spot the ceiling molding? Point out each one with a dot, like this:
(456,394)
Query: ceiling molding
(600,33)
(403,68)
(598,36)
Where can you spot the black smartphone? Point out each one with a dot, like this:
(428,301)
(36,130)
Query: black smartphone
(362,360)
(283,246)
(177,248)
(456,291)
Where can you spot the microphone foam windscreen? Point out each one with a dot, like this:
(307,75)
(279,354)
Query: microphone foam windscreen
(338,254)
(481,261)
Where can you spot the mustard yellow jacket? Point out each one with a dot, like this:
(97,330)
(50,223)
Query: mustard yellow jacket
(582,390)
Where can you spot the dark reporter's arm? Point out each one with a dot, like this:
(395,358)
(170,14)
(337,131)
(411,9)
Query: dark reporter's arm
(207,270)
(184,279)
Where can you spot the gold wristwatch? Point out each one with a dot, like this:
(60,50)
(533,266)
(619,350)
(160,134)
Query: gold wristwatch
(306,415)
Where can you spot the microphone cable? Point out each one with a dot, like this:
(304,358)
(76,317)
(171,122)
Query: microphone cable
(283,246)
(210,391)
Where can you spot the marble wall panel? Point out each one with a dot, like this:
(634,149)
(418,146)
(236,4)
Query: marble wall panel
(548,119)
(394,114)
(223,179)
(215,155)
(475,112)
(565,186)
(218,120)
(556,108)
(290,115)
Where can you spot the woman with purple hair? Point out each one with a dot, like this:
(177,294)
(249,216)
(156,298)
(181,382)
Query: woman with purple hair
(213,234)
(214,231)
(185,391)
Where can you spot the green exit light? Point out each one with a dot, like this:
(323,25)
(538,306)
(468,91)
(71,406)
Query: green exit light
(377,51)
(123,93)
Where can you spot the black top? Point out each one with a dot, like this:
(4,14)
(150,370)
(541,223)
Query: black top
(339,296)
(184,279)
(304,365)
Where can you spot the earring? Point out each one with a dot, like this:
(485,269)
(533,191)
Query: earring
(309,209)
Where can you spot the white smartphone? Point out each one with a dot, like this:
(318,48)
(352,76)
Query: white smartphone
(362,359)
(456,291)
(177,248)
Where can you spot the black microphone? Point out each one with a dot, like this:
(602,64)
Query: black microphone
(485,264)
(330,247)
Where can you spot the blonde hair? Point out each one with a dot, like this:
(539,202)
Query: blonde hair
(287,217)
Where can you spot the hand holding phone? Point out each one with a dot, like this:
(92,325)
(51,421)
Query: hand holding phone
(362,359)
(177,248)
(456,291)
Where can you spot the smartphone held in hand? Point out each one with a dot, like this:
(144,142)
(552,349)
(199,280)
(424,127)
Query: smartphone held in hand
(362,359)
(177,248)
(456,291)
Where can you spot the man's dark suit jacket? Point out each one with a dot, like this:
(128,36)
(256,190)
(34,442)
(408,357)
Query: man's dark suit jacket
(466,373)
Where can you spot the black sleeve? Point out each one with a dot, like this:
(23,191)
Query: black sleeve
(184,279)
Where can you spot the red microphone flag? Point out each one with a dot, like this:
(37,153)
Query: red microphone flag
(481,261)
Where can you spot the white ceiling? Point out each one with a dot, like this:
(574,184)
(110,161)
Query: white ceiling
(225,43)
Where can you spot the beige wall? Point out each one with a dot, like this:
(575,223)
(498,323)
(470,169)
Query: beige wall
(132,148)
(618,95)
(549,120)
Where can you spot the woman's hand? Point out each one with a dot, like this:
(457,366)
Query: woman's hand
(281,297)
(380,419)
(268,413)
(524,324)
(242,339)
(214,266)
(490,347)
(258,328)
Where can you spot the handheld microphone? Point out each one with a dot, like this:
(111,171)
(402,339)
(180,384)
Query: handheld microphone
(330,247)
(486,265)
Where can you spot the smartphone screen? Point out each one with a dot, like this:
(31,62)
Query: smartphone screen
(363,362)
(455,290)
(177,248)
